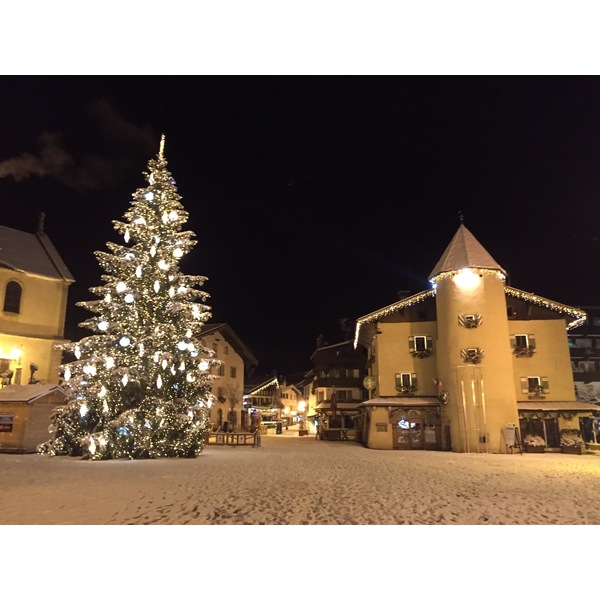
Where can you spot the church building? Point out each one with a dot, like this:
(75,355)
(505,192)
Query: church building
(470,365)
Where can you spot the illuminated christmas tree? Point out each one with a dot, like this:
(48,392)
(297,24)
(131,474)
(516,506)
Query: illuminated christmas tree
(140,384)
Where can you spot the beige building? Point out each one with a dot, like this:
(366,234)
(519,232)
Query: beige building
(471,365)
(294,406)
(234,356)
(34,284)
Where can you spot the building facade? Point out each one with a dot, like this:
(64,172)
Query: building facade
(471,365)
(227,412)
(34,284)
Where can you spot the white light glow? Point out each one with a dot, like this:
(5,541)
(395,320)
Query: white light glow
(67,374)
(124,341)
(149,196)
(153,251)
(156,286)
(138,271)
(159,382)
(124,379)
(126,236)
(163,265)
(182,345)
(466,279)
(77,352)
(140,221)
(103,325)
(203,366)
(83,410)
(129,298)
(110,362)
(121,286)
(178,253)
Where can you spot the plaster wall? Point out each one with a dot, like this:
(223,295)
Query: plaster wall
(551,358)
(482,397)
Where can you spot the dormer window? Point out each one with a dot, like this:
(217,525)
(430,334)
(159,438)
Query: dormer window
(12,297)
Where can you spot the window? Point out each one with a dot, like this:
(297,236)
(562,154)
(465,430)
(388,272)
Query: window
(215,348)
(420,345)
(523,344)
(233,371)
(343,395)
(534,385)
(221,370)
(12,297)
(406,382)
(510,311)
(226,350)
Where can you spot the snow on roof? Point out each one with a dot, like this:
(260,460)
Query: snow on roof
(463,252)
(233,339)
(27,393)
(556,405)
(31,253)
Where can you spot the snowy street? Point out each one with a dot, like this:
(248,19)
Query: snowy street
(293,480)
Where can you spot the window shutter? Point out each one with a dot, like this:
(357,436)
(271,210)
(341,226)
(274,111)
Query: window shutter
(531,340)
(411,344)
(513,342)
(413,377)
(545,385)
(524,385)
(429,343)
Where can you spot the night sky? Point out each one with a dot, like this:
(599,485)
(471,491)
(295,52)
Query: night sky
(314,199)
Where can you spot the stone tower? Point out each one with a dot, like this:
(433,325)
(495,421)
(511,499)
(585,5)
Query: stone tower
(474,361)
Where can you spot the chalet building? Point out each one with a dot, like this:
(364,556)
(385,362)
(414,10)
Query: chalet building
(335,384)
(471,365)
(228,412)
(34,283)
(584,347)
(262,400)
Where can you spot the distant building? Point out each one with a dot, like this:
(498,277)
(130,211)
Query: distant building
(294,407)
(34,283)
(466,364)
(235,358)
(262,400)
(337,374)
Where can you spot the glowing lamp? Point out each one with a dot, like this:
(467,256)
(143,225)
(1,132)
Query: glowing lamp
(103,325)
(110,362)
(466,279)
(149,196)
(124,341)
(182,345)
(121,286)
(178,253)
(163,265)
(129,298)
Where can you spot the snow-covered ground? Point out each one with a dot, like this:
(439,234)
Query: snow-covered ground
(292,480)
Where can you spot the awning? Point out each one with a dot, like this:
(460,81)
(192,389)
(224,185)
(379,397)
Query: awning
(341,406)
(407,401)
(549,405)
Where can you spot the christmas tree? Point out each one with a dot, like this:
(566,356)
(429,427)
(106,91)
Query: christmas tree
(139,386)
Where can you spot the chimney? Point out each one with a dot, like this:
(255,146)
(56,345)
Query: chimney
(40,223)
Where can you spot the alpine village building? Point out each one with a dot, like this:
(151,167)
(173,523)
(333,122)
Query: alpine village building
(34,283)
(471,365)
(229,412)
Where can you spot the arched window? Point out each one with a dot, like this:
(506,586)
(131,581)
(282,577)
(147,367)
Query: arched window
(12,297)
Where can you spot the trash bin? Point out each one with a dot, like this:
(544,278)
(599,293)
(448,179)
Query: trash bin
(278,427)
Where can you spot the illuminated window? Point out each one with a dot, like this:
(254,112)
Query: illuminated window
(12,297)
(406,382)
(534,385)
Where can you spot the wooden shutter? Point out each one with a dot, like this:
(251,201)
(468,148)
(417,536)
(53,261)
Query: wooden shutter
(531,341)
(413,377)
(429,343)
(545,385)
(525,385)
(411,344)
(513,341)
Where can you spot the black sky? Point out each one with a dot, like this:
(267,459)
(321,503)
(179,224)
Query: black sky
(314,198)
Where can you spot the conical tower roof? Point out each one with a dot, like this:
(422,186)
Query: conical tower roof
(464,252)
